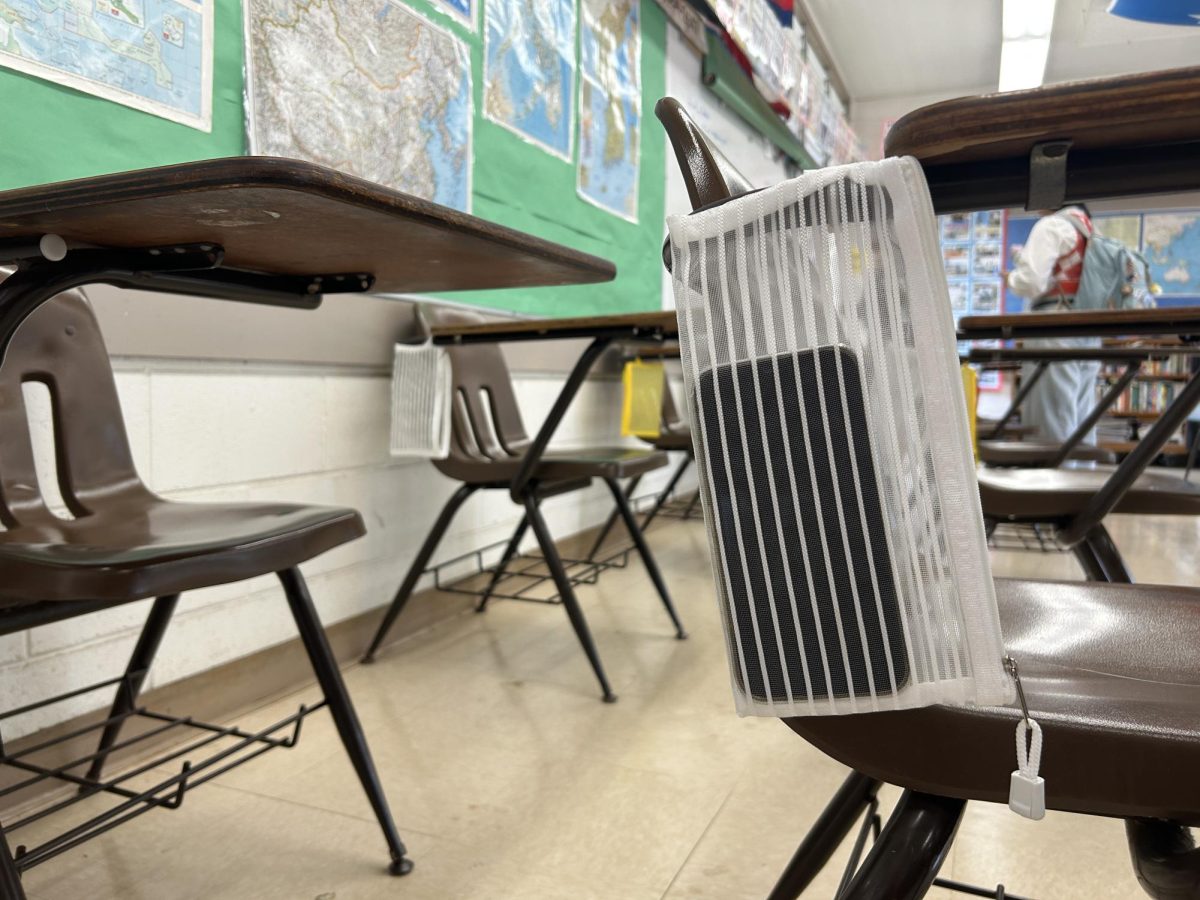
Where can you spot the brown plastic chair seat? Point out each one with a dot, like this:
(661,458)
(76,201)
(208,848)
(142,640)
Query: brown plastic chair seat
(1037,453)
(156,547)
(1110,672)
(672,440)
(600,462)
(987,426)
(558,466)
(1050,494)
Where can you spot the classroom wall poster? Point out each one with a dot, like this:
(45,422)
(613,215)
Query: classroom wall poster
(972,253)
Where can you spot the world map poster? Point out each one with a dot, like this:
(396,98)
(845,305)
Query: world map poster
(152,55)
(610,105)
(393,106)
(529,70)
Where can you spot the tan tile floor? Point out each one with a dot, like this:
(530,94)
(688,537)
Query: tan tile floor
(509,778)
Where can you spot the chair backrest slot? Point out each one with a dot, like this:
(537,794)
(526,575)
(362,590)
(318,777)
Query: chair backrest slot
(41,416)
(59,351)
(486,418)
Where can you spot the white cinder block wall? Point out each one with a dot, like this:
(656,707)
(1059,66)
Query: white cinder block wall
(208,430)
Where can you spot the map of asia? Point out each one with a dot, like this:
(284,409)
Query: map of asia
(363,86)
(610,105)
(529,70)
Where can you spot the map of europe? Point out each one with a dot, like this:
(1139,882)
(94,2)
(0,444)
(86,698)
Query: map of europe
(529,70)
(152,55)
(364,86)
(1172,247)
(610,105)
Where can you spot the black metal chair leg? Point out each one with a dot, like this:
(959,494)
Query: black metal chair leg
(666,492)
(342,710)
(1086,557)
(639,541)
(418,566)
(905,860)
(1108,555)
(826,835)
(135,676)
(509,552)
(612,520)
(1165,858)
(569,600)
(10,876)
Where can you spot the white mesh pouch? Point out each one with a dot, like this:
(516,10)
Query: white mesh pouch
(420,401)
(835,460)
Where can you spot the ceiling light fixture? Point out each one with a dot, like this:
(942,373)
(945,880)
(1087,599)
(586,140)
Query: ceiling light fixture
(1026,31)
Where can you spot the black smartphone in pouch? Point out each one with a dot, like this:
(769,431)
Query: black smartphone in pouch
(795,522)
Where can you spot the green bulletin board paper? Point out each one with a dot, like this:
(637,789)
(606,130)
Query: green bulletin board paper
(54,134)
(51,133)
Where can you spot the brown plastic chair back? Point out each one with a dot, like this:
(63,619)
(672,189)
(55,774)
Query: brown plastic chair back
(486,424)
(60,346)
(671,420)
(709,176)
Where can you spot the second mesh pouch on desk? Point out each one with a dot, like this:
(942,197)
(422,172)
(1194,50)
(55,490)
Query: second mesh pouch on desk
(420,402)
(836,467)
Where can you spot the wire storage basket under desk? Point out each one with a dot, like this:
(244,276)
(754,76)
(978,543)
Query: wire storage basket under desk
(526,577)
(1024,537)
(682,506)
(54,802)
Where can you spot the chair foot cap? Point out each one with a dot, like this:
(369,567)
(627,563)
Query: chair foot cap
(681,635)
(401,866)
(610,698)
(368,659)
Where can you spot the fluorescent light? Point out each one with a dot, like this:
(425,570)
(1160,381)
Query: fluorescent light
(1023,63)
(1028,19)
(1026,25)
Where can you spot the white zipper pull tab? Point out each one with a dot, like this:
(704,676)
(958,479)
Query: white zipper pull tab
(1026,789)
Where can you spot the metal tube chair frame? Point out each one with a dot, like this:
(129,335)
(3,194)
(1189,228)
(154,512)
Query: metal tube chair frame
(1133,359)
(502,457)
(675,431)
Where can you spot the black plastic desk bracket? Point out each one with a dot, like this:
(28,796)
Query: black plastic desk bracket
(37,279)
(48,265)
(1048,175)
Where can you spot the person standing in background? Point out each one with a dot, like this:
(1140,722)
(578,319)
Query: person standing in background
(1047,271)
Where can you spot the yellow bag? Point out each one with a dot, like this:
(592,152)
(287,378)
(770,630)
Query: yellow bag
(641,411)
(971,391)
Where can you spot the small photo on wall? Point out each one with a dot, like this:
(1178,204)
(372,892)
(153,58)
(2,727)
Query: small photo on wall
(956,227)
(985,297)
(989,225)
(960,298)
(957,259)
(988,258)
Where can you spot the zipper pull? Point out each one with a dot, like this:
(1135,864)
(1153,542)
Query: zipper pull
(1026,789)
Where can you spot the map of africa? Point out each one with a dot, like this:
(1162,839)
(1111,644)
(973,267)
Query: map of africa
(152,55)
(364,86)
(1172,246)
(610,105)
(529,70)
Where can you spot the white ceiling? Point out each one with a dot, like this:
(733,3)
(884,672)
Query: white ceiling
(894,48)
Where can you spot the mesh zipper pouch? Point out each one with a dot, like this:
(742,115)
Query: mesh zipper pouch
(834,451)
(420,402)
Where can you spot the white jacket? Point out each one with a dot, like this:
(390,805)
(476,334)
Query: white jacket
(1051,237)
